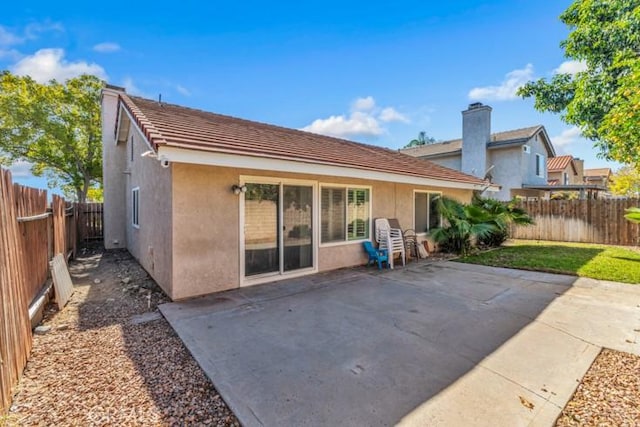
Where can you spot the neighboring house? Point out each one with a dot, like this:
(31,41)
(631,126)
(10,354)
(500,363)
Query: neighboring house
(515,160)
(599,176)
(565,170)
(207,202)
(566,179)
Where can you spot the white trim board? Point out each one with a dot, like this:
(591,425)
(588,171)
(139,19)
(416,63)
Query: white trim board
(181,155)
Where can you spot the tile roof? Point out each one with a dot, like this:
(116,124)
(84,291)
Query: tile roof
(176,126)
(598,172)
(553,182)
(454,145)
(558,164)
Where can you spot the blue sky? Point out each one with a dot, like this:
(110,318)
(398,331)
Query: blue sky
(375,72)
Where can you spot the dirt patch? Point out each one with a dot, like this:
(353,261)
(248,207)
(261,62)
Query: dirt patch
(608,395)
(97,366)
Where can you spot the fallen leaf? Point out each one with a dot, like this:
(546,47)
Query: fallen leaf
(526,403)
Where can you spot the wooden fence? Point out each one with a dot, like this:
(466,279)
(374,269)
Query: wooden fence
(15,327)
(31,233)
(90,220)
(587,221)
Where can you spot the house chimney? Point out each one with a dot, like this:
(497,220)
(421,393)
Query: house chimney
(579,169)
(476,134)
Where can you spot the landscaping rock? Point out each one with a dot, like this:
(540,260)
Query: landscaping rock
(97,281)
(119,363)
(42,329)
(126,280)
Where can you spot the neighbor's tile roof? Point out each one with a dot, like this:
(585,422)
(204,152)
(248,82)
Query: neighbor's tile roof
(553,181)
(597,172)
(558,164)
(182,127)
(454,145)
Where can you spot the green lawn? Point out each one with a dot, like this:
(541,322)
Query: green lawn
(596,261)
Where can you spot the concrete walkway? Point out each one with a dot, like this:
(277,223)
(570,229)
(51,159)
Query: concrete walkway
(429,344)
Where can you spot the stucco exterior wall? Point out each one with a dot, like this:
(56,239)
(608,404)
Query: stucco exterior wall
(151,242)
(206,224)
(114,179)
(452,162)
(529,176)
(507,171)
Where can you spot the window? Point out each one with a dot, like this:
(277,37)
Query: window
(565,178)
(135,207)
(131,148)
(425,212)
(539,165)
(345,214)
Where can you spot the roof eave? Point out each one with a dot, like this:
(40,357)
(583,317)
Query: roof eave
(244,161)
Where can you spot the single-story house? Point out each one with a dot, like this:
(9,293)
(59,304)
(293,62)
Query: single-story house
(514,159)
(208,202)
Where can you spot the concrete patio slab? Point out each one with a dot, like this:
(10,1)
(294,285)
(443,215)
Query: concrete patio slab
(429,344)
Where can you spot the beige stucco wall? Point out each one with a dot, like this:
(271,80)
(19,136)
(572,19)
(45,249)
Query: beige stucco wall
(151,242)
(113,177)
(206,215)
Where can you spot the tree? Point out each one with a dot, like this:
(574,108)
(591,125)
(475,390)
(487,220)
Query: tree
(626,182)
(422,139)
(603,100)
(54,126)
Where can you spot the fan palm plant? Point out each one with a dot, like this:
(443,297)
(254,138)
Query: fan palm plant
(462,225)
(502,216)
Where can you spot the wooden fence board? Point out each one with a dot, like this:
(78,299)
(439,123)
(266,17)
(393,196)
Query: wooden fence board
(587,221)
(61,280)
(15,327)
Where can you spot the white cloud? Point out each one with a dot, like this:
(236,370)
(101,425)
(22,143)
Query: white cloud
(357,124)
(363,104)
(567,137)
(7,38)
(364,120)
(21,169)
(183,90)
(390,114)
(571,67)
(48,64)
(507,89)
(106,47)
(33,30)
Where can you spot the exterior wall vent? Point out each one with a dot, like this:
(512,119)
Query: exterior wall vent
(526,149)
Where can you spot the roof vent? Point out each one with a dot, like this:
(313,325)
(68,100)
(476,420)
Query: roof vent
(475,105)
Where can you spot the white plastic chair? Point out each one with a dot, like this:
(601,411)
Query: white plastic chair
(390,239)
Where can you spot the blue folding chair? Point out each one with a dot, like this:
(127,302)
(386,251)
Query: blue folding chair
(376,255)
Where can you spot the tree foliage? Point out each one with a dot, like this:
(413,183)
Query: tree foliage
(603,101)
(54,126)
(422,139)
(626,182)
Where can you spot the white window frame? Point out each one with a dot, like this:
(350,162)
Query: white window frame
(135,207)
(565,178)
(540,165)
(413,213)
(346,240)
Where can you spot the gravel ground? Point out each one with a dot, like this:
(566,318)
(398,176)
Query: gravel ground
(94,367)
(608,395)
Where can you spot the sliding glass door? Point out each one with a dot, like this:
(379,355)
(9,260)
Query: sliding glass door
(278,228)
